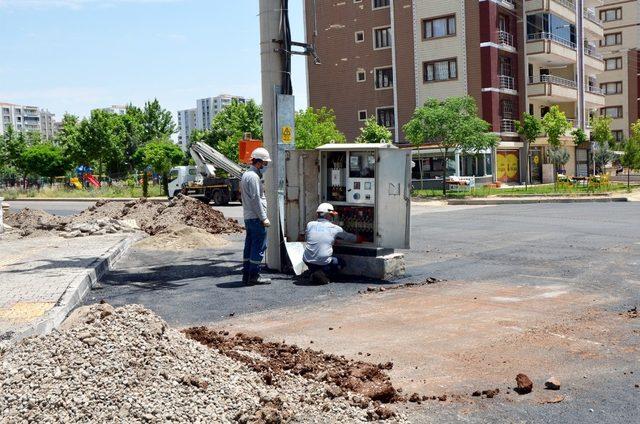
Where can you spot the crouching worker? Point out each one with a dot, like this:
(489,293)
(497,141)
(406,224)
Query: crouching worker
(318,252)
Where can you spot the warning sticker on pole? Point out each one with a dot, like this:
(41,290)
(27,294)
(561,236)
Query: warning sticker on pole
(286,134)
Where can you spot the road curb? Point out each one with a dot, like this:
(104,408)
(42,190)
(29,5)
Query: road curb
(75,292)
(85,199)
(522,201)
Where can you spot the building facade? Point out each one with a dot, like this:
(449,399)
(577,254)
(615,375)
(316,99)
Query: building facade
(26,118)
(117,109)
(383,57)
(209,107)
(186,125)
(621,49)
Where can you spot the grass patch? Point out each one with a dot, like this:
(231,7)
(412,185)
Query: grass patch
(533,190)
(106,192)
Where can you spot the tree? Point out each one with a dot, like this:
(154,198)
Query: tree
(133,132)
(555,124)
(372,132)
(630,159)
(601,130)
(160,155)
(315,127)
(229,126)
(100,140)
(559,156)
(157,123)
(529,129)
(453,124)
(45,160)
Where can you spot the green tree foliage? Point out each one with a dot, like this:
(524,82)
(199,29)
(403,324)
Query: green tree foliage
(372,132)
(157,123)
(529,129)
(315,127)
(555,124)
(601,130)
(45,160)
(630,159)
(579,136)
(133,134)
(160,155)
(230,124)
(100,141)
(452,124)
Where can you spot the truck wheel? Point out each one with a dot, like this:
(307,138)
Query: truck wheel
(219,198)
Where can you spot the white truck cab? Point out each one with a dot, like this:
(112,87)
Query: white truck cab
(180,177)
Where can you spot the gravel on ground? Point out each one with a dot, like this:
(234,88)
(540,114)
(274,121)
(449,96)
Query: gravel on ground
(124,364)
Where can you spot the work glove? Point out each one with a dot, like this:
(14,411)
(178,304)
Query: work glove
(266,223)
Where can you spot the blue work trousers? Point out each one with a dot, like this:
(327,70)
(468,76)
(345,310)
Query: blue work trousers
(331,269)
(255,243)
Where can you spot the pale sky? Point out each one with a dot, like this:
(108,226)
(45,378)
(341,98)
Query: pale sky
(77,55)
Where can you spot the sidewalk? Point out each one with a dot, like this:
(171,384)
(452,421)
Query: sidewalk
(43,279)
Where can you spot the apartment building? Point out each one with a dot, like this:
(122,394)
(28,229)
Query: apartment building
(186,125)
(383,57)
(117,109)
(621,49)
(25,118)
(209,107)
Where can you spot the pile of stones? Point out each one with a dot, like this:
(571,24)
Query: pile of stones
(125,365)
(97,227)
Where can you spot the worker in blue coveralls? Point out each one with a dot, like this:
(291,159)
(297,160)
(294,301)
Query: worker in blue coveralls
(254,205)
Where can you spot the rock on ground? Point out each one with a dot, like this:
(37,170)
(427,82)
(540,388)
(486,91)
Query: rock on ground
(525,385)
(126,365)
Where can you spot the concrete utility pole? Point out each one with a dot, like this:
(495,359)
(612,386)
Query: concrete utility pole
(271,66)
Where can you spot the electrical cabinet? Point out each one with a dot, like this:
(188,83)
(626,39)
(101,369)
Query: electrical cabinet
(369,186)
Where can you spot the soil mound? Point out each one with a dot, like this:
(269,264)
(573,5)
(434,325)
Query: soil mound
(273,359)
(126,365)
(182,238)
(34,222)
(156,217)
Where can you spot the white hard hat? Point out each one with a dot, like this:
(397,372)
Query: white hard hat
(325,208)
(262,154)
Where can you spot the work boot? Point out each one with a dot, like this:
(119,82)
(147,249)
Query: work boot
(258,280)
(320,278)
(246,277)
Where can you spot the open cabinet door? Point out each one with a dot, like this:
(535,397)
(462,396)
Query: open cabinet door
(393,198)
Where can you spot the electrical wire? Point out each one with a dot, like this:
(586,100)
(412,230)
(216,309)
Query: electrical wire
(285,33)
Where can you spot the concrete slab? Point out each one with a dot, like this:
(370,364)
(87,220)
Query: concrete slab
(43,279)
(386,267)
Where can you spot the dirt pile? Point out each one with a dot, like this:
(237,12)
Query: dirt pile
(182,238)
(342,377)
(126,365)
(111,216)
(155,217)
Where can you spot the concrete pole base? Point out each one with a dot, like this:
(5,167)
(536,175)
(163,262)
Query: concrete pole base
(385,267)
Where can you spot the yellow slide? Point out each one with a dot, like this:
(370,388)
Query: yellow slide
(76,183)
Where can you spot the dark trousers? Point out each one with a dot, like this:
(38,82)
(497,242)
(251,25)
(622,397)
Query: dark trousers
(331,269)
(255,244)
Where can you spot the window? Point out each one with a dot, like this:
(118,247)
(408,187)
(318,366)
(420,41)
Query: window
(613,39)
(613,63)
(362,115)
(359,36)
(384,78)
(382,38)
(611,87)
(612,111)
(442,70)
(386,117)
(611,14)
(377,4)
(618,135)
(361,76)
(504,66)
(439,27)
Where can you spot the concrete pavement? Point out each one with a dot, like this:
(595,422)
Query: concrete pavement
(42,279)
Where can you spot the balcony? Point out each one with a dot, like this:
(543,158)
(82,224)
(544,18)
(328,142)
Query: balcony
(593,61)
(547,49)
(593,97)
(552,88)
(507,83)
(565,9)
(505,39)
(592,25)
(509,4)
(508,126)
